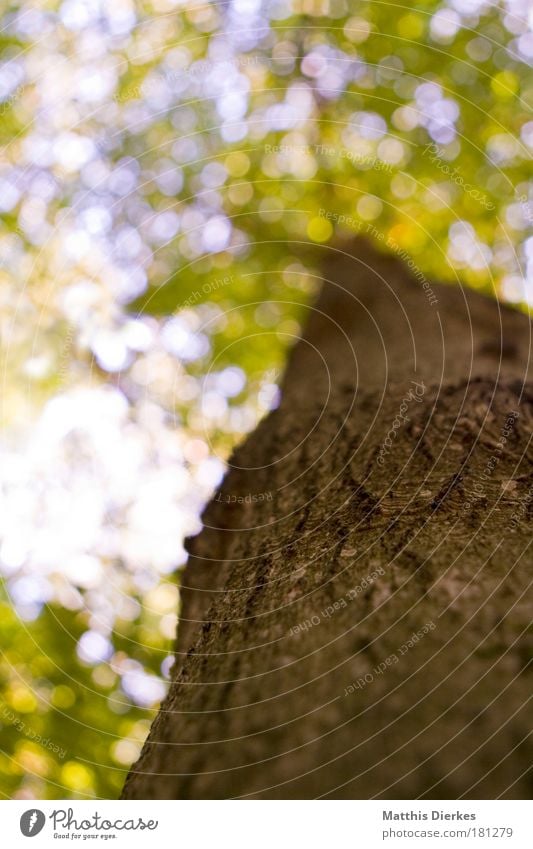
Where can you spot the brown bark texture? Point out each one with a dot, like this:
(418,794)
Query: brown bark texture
(364,629)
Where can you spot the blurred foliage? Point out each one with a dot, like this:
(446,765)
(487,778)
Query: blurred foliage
(165,169)
(66,728)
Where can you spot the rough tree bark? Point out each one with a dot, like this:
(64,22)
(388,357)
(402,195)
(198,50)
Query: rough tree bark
(397,507)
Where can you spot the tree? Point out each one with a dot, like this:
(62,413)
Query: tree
(354,620)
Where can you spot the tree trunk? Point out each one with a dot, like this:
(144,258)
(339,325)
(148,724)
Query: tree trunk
(355,619)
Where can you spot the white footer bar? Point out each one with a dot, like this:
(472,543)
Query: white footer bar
(268,824)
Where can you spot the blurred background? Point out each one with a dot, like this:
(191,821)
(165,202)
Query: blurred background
(164,168)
